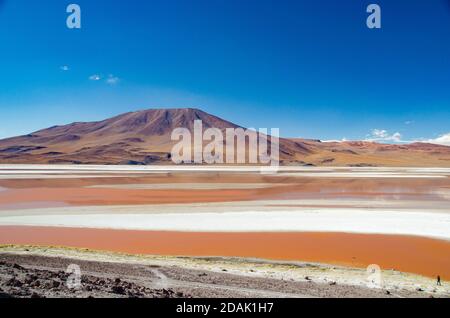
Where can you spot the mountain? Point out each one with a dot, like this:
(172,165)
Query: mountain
(144,137)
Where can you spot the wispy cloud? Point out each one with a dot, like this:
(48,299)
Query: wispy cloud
(112,80)
(335,140)
(382,135)
(95,77)
(64,68)
(377,135)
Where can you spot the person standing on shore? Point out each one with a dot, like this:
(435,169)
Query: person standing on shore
(439,280)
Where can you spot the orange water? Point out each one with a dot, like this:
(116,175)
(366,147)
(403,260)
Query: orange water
(423,256)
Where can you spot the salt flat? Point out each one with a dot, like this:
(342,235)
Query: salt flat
(433,225)
(6,170)
(221,199)
(396,217)
(187,186)
(410,214)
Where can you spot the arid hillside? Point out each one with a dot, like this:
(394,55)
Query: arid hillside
(144,137)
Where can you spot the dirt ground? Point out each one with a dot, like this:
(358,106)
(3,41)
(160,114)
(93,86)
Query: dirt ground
(36,276)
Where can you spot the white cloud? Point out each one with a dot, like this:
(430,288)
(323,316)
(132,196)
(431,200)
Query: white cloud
(409,122)
(112,80)
(382,135)
(397,137)
(335,140)
(95,77)
(64,68)
(377,135)
(441,140)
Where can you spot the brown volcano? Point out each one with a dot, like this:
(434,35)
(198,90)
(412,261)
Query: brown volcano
(144,137)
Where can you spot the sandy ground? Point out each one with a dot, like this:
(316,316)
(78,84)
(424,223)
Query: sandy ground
(41,272)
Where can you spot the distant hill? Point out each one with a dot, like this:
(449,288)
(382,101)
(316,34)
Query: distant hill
(144,137)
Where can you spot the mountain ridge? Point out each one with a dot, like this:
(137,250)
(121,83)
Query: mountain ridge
(143,137)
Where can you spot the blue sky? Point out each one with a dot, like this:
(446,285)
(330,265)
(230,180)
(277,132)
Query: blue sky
(311,68)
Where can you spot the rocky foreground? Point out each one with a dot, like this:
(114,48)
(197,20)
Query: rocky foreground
(28,275)
(17,281)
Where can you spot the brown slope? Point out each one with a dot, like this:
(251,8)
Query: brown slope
(136,137)
(364,153)
(145,137)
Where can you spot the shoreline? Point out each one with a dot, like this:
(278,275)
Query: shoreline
(306,278)
(405,253)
